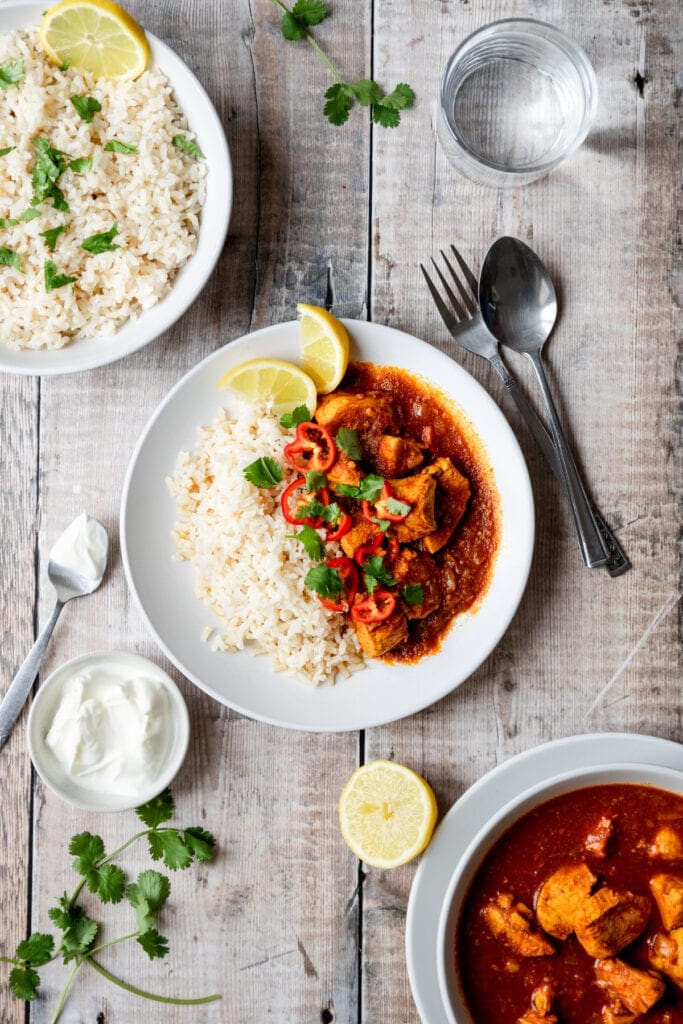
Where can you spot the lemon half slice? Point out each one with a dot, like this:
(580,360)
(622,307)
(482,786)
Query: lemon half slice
(324,346)
(97,36)
(387,814)
(272,380)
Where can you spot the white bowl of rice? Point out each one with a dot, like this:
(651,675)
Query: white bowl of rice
(166,208)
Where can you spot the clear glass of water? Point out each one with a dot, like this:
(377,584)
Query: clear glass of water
(517,97)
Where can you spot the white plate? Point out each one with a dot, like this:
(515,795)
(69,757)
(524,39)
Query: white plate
(474,809)
(191,278)
(164,588)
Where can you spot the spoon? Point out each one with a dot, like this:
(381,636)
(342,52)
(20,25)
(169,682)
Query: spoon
(519,307)
(85,545)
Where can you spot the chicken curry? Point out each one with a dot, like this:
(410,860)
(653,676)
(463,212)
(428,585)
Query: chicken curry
(395,478)
(576,914)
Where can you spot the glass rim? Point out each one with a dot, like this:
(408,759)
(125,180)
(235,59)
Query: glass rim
(583,65)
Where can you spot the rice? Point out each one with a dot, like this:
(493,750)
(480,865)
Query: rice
(247,571)
(155,196)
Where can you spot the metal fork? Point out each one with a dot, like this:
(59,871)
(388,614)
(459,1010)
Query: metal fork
(465,323)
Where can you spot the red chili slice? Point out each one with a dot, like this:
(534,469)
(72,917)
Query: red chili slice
(375,608)
(313,448)
(349,578)
(341,529)
(365,551)
(298,483)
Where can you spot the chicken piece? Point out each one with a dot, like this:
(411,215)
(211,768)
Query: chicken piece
(513,923)
(378,638)
(561,897)
(668,893)
(636,990)
(452,495)
(667,844)
(396,456)
(418,491)
(361,532)
(666,954)
(368,412)
(609,921)
(542,999)
(344,471)
(618,1014)
(598,838)
(408,568)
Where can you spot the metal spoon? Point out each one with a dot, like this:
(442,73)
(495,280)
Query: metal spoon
(68,584)
(519,307)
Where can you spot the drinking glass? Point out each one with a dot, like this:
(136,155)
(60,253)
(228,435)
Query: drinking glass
(517,98)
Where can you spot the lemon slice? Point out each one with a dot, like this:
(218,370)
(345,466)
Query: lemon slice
(95,35)
(387,814)
(324,346)
(272,380)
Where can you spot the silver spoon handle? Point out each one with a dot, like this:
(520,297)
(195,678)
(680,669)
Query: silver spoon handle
(593,547)
(20,687)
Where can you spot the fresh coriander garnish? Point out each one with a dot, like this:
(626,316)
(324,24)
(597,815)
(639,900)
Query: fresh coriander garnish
(315,480)
(50,163)
(6,150)
(382,524)
(53,278)
(295,417)
(330,513)
(30,214)
(311,541)
(367,490)
(264,472)
(341,96)
(116,146)
(66,64)
(349,442)
(413,594)
(9,258)
(86,107)
(51,236)
(178,847)
(104,242)
(375,572)
(180,142)
(11,72)
(396,507)
(81,165)
(8,222)
(324,581)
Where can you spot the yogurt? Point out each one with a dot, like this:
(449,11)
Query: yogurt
(112,726)
(82,548)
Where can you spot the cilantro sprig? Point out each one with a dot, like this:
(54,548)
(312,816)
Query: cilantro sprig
(182,142)
(292,419)
(375,573)
(264,472)
(349,442)
(11,72)
(342,95)
(104,242)
(312,542)
(86,107)
(177,847)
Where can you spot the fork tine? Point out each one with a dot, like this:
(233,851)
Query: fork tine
(471,306)
(471,279)
(460,312)
(446,315)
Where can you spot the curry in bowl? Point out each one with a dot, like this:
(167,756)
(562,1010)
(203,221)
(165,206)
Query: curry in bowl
(575,916)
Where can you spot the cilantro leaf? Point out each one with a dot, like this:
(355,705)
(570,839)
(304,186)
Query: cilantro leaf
(338,105)
(78,930)
(386,117)
(66,64)
(291,28)
(413,594)
(51,236)
(86,107)
(375,572)
(6,150)
(400,99)
(155,812)
(60,915)
(366,91)
(11,72)
(50,163)
(180,142)
(311,541)
(264,472)
(383,524)
(53,279)
(104,242)
(58,200)
(29,214)
(324,581)
(310,12)
(37,949)
(9,258)
(349,442)
(396,507)
(116,146)
(87,850)
(8,222)
(147,895)
(370,487)
(292,419)
(81,165)
(200,842)
(330,513)
(24,981)
(154,944)
(170,846)
(109,882)
(315,481)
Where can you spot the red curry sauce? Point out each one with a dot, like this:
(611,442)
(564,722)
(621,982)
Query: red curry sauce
(428,417)
(497,983)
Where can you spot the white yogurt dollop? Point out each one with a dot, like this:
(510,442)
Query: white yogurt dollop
(82,548)
(112,727)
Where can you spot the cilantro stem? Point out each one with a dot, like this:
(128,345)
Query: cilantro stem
(11,960)
(318,49)
(148,995)
(65,991)
(113,942)
(110,856)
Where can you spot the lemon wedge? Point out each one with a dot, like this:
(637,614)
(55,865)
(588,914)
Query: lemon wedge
(96,36)
(387,814)
(324,346)
(272,380)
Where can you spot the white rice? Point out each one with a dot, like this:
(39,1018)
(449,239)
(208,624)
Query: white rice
(155,196)
(247,571)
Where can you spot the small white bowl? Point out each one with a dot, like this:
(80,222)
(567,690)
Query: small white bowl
(454,1002)
(42,713)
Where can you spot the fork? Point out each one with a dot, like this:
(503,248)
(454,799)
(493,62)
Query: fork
(465,324)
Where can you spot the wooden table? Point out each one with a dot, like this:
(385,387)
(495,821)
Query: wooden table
(284,923)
